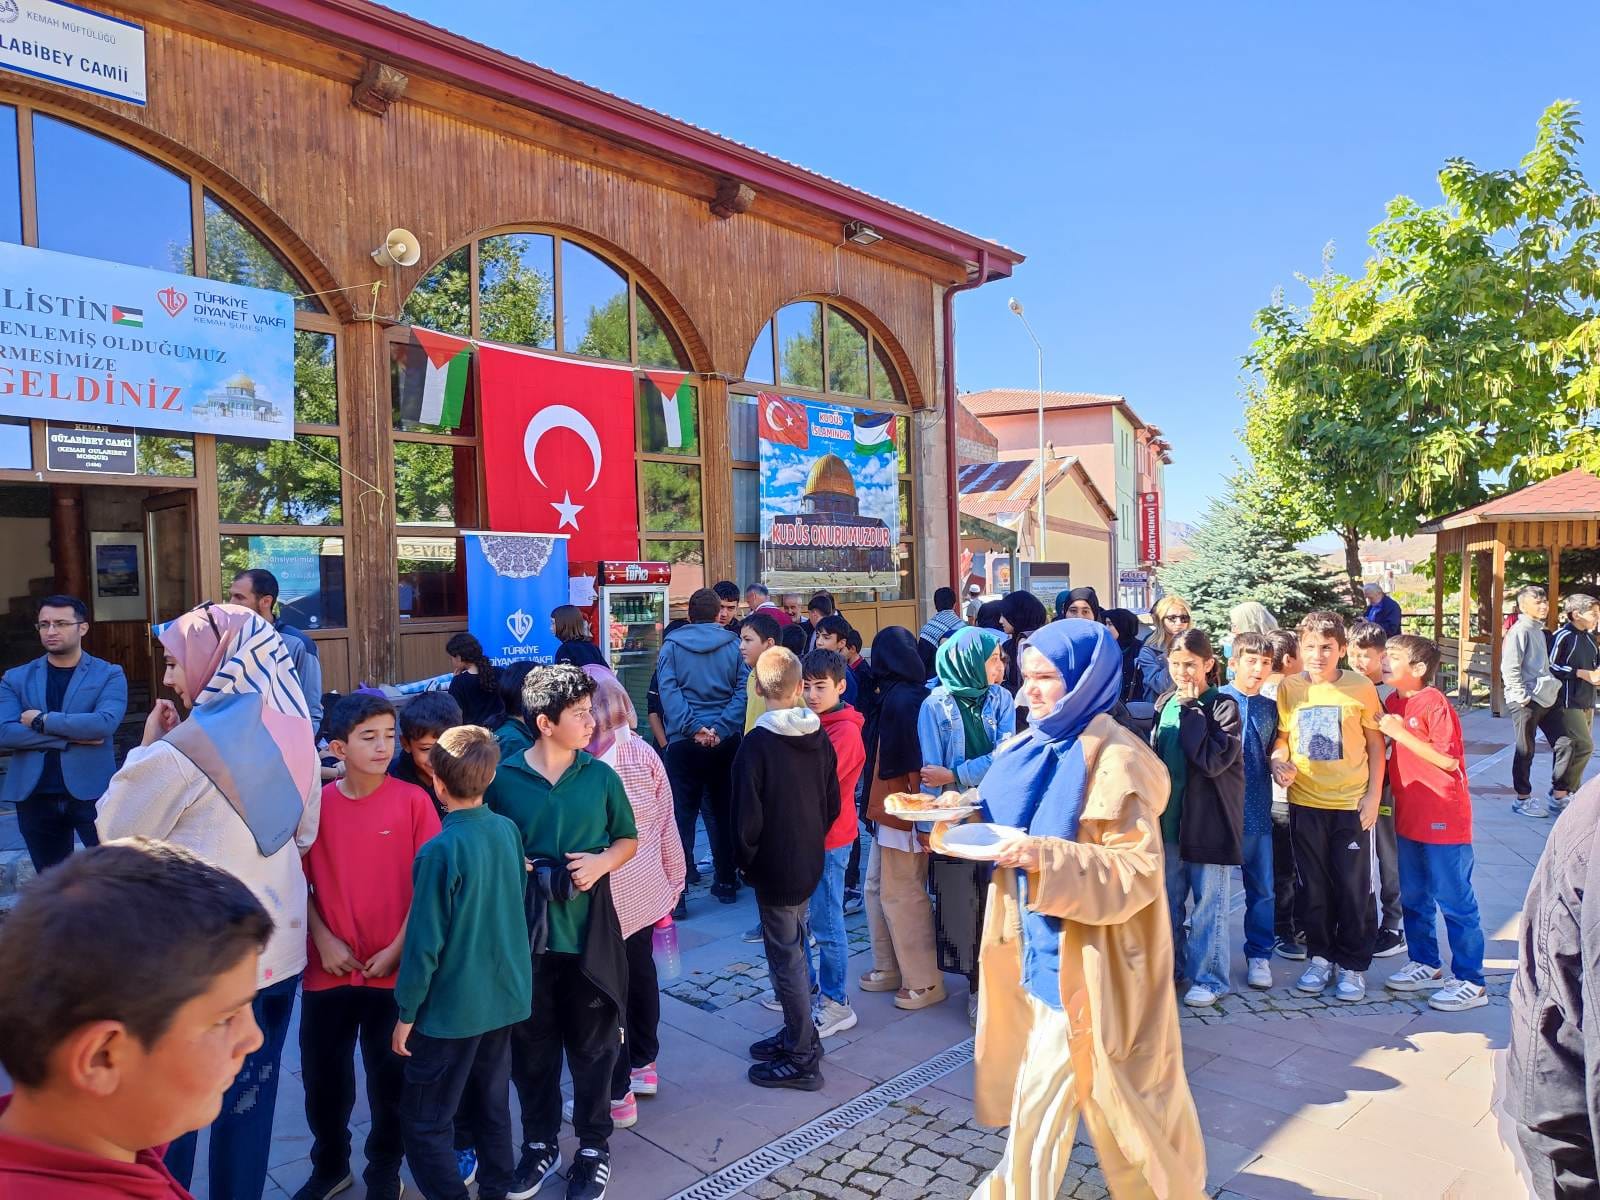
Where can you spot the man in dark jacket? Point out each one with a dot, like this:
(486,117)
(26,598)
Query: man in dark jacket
(1381,609)
(702,681)
(1573,659)
(1553,1067)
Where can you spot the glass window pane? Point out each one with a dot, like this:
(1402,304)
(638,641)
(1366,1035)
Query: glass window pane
(658,345)
(78,173)
(433,577)
(902,443)
(885,379)
(759,368)
(170,456)
(402,359)
(668,424)
(744,435)
(16,444)
(10,178)
(747,563)
(310,572)
(671,497)
(516,289)
(435,484)
(905,507)
(279,483)
(800,345)
(316,379)
(442,299)
(847,354)
(594,305)
(688,559)
(235,253)
(746,502)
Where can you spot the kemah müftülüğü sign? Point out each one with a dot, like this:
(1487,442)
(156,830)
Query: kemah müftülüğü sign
(830,495)
(73,46)
(83,340)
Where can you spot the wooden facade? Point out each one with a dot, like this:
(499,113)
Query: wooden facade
(259,104)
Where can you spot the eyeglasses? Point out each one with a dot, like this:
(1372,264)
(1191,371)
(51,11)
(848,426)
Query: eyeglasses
(47,626)
(1180,618)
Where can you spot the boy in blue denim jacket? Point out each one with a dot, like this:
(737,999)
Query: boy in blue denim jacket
(1251,664)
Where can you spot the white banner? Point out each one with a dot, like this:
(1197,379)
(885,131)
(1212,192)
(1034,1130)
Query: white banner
(63,43)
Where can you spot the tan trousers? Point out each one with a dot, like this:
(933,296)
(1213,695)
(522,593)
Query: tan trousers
(900,916)
(1044,1117)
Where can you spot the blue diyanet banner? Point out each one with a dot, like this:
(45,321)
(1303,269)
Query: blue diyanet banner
(514,582)
(106,344)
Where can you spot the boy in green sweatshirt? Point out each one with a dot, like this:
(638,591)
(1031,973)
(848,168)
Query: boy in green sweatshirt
(464,977)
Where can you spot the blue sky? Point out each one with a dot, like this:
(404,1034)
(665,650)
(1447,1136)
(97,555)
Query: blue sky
(1163,167)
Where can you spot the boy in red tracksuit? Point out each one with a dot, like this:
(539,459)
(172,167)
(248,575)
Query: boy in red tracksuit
(823,679)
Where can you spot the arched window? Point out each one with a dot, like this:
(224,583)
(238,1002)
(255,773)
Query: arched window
(72,189)
(813,348)
(553,293)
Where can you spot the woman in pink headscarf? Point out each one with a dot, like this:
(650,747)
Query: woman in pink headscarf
(236,782)
(644,889)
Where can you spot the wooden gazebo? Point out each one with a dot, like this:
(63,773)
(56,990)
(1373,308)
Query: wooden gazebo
(1557,514)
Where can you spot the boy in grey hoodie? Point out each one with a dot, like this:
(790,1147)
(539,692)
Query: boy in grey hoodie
(701,678)
(1530,690)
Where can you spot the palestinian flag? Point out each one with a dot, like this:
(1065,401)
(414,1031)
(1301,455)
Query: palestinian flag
(433,384)
(676,409)
(874,433)
(132,317)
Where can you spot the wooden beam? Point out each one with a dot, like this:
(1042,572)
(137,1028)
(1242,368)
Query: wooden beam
(1497,602)
(1438,588)
(1463,640)
(1554,586)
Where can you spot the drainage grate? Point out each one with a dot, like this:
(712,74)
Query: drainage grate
(775,1155)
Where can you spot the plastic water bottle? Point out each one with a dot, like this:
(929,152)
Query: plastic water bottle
(664,946)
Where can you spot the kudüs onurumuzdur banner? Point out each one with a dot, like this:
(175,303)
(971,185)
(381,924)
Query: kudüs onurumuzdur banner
(830,495)
(514,582)
(107,344)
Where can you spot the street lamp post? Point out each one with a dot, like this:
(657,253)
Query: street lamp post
(1015,306)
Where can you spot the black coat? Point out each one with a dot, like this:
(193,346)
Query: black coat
(785,798)
(1211,732)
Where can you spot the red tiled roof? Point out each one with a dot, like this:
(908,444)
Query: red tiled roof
(1574,493)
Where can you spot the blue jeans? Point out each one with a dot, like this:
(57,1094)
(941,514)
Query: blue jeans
(1260,895)
(1201,955)
(826,918)
(1433,875)
(241,1136)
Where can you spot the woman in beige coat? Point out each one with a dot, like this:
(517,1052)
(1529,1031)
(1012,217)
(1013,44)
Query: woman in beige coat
(1076,1013)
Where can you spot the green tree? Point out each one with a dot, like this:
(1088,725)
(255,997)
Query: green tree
(1466,348)
(1242,553)
(515,305)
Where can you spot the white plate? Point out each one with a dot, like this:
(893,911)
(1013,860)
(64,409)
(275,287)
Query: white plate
(980,840)
(958,813)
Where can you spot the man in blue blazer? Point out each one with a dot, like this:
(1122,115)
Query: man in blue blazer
(57,717)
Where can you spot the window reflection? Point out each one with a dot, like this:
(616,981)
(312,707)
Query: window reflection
(10,178)
(433,577)
(671,497)
(442,299)
(885,379)
(279,483)
(668,424)
(688,559)
(759,368)
(800,345)
(402,358)
(310,572)
(743,429)
(236,254)
(516,289)
(657,345)
(747,501)
(435,484)
(79,174)
(847,354)
(594,305)
(316,379)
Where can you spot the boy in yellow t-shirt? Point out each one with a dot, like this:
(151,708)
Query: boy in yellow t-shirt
(1329,755)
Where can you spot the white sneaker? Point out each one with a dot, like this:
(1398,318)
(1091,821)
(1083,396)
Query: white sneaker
(831,1017)
(1531,806)
(1315,979)
(1352,986)
(773,1004)
(1200,996)
(1459,996)
(1259,972)
(1416,977)
(1558,804)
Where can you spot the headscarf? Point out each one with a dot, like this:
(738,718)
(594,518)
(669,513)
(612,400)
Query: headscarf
(902,687)
(988,615)
(962,662)
(1127,626)
(1037,781)
(1024,613)
(1084,593)
(1063,598)
(249,732)
(613,710)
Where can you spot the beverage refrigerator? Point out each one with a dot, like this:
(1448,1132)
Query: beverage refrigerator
(630,614)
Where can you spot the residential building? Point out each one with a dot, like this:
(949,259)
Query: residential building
(1079,521)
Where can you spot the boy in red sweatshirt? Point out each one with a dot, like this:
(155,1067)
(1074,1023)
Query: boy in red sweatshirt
(824,678)
(114,1054)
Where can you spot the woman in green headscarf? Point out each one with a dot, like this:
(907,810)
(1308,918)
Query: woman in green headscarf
(963,721)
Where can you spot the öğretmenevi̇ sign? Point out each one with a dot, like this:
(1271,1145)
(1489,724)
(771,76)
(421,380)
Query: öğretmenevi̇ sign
(830,495)
(101,343)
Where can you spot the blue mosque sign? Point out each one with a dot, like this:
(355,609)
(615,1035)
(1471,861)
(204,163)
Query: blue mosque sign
(100,343)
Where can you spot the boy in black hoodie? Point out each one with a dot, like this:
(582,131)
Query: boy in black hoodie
(785,796)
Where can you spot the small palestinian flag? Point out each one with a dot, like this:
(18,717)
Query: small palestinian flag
(434,380)
(676,409)
(132,317)
(874,433)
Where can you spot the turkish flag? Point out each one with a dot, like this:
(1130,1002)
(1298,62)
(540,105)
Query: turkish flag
(784,421)
(558,451)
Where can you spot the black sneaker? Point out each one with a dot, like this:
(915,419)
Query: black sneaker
(538,1165)
(680,911)
(691,874)
(320,1187)
(785,1073)
(1390,942)
(768,1049)
(1290,949)
(726,892)
(590,1173)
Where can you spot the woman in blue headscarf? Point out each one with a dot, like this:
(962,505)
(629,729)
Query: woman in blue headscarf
(1075,999)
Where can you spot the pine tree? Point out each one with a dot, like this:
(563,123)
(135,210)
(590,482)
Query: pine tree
(1240,553)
